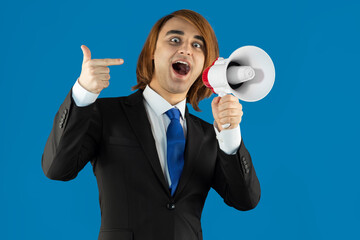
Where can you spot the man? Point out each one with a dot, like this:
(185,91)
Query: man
(153,178)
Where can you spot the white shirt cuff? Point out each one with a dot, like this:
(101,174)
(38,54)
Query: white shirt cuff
(81,96)
(229,139)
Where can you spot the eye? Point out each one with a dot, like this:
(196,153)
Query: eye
(197,45)
(175,40)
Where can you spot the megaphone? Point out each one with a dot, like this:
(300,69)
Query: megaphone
(249,74)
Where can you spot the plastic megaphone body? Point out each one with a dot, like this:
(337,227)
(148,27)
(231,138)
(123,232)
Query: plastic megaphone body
(249,74)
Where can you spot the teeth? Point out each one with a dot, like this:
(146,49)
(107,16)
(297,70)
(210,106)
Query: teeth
(183,63)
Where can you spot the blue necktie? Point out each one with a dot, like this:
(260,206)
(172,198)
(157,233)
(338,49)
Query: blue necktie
(175,148)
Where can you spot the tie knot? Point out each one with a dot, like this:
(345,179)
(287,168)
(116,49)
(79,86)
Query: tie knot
(173,113)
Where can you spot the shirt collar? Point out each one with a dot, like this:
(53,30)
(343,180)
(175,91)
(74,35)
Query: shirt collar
(159,104)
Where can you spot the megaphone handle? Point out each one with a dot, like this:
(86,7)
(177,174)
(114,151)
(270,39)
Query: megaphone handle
(227,125)
(221,94)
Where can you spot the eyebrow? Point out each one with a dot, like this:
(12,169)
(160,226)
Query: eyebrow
(182,33)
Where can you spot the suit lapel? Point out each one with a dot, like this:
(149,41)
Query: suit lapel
(135,110)
(193,145)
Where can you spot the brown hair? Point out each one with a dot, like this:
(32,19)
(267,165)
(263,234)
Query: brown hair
(145,65)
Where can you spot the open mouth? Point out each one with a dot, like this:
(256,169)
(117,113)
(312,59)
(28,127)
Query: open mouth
(181,68)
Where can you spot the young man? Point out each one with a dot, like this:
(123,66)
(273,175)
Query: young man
(153,161)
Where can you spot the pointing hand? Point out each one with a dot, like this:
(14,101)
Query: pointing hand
(95,75)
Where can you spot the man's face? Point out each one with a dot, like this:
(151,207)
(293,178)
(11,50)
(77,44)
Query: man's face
(178,59)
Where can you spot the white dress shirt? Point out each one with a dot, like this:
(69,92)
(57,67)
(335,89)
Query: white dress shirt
(229,139)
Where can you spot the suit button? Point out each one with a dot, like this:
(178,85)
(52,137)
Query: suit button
(170,206)
(243,158)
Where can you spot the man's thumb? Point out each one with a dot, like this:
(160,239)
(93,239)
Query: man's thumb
(86,52)
(216,101)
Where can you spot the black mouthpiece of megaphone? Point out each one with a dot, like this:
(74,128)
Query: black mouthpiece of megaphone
(248,73)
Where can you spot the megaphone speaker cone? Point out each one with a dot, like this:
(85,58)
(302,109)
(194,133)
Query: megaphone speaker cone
(248,73)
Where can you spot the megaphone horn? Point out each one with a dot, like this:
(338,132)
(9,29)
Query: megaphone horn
(248,73)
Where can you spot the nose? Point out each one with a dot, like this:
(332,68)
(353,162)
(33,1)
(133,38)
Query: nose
(185,49)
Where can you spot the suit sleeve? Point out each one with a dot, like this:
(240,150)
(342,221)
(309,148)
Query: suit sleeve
(235,179)
(73,141)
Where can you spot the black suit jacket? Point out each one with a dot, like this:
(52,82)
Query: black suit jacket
(114,134)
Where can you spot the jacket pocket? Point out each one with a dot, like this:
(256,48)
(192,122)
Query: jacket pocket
(122,141)
(115,234)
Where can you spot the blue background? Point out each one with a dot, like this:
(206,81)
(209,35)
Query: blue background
(303,137)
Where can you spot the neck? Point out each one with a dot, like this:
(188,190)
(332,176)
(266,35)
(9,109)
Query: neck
(172,98)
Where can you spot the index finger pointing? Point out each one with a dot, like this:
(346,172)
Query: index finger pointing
(107,62)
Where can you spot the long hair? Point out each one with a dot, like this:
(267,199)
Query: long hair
(145,65)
